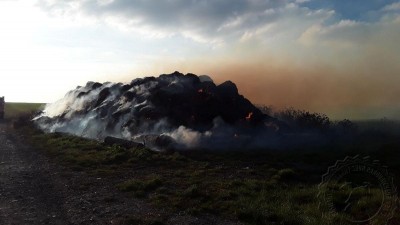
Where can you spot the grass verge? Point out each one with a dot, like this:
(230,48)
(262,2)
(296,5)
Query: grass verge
(14,110)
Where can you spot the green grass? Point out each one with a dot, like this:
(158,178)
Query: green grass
(141,186)
(254,188)
(15,110)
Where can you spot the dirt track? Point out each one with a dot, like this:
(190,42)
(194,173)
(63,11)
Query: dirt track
(27,192)
(35,190)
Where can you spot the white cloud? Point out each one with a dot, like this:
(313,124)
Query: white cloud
(211,22)
(392,7)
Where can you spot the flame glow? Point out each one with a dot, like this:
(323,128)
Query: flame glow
(249,116)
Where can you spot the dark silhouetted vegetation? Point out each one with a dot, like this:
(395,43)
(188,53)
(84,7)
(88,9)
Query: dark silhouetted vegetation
(301,120)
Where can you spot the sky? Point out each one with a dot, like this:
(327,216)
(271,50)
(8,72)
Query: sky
(341,57)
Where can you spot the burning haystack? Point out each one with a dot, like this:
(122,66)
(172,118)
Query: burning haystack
(169,111)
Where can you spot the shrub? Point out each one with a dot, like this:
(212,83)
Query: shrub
(346,126)
(300,119)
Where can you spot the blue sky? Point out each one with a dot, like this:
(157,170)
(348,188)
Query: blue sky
(337,57)
(358,10)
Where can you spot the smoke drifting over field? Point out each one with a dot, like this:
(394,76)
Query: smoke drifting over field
(169,111)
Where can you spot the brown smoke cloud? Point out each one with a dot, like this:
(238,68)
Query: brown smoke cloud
(363,89)
(351,94)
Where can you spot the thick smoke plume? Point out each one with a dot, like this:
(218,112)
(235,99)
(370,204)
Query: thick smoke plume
(170,111)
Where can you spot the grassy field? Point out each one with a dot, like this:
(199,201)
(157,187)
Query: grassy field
(14,110)
(266,187)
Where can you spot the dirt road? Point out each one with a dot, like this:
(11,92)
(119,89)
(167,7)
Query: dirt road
(27,192)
